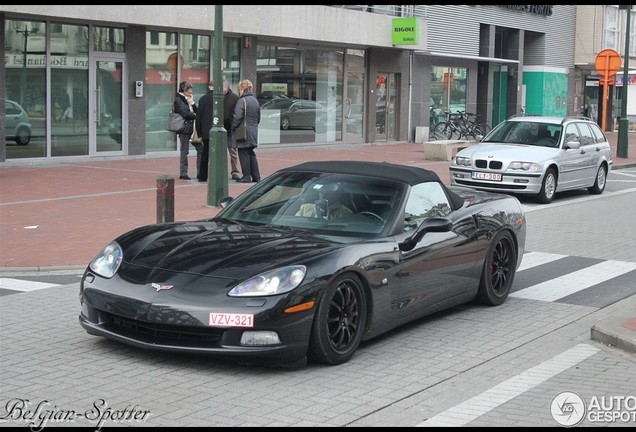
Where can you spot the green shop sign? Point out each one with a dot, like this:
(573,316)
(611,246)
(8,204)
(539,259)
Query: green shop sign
(406,31)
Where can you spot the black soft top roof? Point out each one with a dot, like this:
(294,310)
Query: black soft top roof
(383,170)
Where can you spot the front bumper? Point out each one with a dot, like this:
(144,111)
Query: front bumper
(521,183)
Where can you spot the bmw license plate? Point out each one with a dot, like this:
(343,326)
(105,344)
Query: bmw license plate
(231,320)
(486,176)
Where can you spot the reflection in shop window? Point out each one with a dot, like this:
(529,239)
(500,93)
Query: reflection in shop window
(300,92)
(448,91)
(109,39)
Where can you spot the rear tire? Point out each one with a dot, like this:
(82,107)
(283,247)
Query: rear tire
(599,183)
(440,132)
(340,321)
(498,272)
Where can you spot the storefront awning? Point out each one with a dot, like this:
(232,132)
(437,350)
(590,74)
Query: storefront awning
(467,57)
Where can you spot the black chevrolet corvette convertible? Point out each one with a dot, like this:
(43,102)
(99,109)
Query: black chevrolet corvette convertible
(306,264)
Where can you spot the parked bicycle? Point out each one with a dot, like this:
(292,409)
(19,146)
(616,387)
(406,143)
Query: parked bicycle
(471,126)
(460,125)
(449,129)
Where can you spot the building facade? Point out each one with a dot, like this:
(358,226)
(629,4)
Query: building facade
(94,81)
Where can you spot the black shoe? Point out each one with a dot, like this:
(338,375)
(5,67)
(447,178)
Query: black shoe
(202,180)
(256,181)
(185,177)
(236,177)
(244,180)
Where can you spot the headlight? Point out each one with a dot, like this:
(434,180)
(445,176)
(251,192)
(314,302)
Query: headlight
(525,166)
(459,160)
(277,281)
(107,261)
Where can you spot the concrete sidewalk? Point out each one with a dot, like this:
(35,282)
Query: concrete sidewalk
(58,214)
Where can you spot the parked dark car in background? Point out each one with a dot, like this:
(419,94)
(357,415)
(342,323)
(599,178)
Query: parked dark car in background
(307,263)
(156,118)
(296,113)
(17,123)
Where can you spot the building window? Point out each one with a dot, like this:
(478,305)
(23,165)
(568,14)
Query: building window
(154,38)
(612,26)
(300,92)
(448,91)
(109,39)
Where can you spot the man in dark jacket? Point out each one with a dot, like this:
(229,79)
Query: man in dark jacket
(205,119)
(229,102)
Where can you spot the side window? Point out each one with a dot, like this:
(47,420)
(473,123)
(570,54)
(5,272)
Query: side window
(598,133)
(425,200)
(586,134)
(571,133)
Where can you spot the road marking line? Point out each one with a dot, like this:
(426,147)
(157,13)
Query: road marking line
(465,412)
(24,285)
(570,283)
(533,259)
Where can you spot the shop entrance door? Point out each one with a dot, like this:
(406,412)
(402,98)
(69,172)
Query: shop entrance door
(106,122)
(386,107)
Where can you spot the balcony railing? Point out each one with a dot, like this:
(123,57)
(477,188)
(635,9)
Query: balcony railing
(406,11)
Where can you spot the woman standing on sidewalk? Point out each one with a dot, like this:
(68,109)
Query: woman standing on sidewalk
(248,108)
(184,105)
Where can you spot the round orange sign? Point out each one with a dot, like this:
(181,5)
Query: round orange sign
(608,62)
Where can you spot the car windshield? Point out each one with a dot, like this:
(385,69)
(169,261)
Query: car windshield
(323,203)
(531,133)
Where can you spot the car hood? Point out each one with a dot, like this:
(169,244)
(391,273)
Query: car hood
(509,152)
(215,247)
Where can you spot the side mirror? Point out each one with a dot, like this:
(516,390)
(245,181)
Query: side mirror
(436,224)
(572,145)
(223,202)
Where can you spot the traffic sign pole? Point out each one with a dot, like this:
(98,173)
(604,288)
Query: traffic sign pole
(607,63)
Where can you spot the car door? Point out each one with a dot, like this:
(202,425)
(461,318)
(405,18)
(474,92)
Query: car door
(573,161)
(592,153)
(440,267)
(307,114)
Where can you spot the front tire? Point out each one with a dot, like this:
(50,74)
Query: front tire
(340,321)
(599,183)
(499,270)
(548,187)
(23,136)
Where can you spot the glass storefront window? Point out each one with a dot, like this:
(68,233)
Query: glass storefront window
(300,92)
(25,65)
(69,90)
(170,59)
(448,91)
(109,39)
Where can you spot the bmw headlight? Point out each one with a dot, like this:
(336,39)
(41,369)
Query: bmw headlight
(463,161)
(524,166)
(273,282)
(107,261)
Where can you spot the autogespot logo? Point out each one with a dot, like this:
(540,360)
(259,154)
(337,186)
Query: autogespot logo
(567,409)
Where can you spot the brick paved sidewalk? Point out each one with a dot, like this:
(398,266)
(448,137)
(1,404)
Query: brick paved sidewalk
(60,214)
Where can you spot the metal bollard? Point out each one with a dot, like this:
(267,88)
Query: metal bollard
(165,199)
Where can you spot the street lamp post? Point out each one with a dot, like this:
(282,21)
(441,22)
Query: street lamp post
(26,32)
(623,123)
